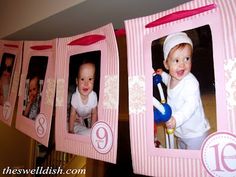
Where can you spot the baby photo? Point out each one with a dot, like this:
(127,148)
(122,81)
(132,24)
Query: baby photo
(183,63)
(34,86)
(83,92)
(6,72)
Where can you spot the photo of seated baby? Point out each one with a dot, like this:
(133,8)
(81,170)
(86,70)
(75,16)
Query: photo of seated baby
(34,99)
(34,86)
(84,100)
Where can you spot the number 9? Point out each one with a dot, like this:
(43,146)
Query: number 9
(102,136)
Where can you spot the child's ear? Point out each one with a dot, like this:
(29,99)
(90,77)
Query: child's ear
(165,64)
(76,81)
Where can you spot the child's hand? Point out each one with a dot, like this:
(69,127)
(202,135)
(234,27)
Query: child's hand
(32,99)
(71,131)
(80,119)
(171,123)
(159,71)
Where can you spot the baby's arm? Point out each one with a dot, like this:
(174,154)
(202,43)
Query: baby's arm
(32,99)
(191,102)
(72,119)
(27,109)
(94,115)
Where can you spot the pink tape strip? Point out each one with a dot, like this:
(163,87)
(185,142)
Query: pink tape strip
(120,32)
(41,47)
(88,40)
(180,15)
(11,45)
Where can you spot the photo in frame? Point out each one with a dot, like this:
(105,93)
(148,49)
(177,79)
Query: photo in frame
(10,68)
(202,22)
(87,94)
(37,90)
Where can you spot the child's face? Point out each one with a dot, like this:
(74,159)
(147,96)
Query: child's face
(179,62)
(85,80)
(33,89)
(8,67)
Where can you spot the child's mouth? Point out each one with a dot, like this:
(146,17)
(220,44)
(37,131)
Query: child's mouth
(180,73)
(85,89)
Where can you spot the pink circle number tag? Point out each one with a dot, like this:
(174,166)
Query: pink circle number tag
(7,110)
(219,154)
(40,125)
(101,137)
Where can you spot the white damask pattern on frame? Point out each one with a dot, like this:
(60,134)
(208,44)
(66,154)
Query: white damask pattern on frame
(230,73)
(50,91)
(22,87)
(111,92)
(15,82)
(60,92)
(137,94)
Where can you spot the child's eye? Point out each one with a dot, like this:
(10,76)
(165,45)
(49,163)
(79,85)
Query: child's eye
(82,79)
(187,58)
(90,79)
(176,61)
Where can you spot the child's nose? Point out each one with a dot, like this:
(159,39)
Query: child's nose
(181,63)
(86,83)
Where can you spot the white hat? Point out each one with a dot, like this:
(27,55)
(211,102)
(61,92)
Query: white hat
(174,39)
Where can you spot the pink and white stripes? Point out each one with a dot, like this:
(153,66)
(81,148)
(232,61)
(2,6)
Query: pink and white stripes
(163,162)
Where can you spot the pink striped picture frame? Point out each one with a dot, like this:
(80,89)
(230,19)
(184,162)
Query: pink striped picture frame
(100,140)
(37,90)
(9,87)
(219,17)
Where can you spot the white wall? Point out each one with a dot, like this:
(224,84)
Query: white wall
(16,15)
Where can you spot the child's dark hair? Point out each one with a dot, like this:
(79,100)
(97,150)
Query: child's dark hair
(33,77)
(86,61)
(3,67)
